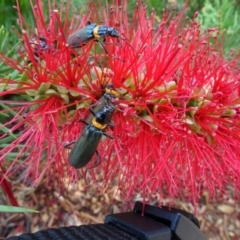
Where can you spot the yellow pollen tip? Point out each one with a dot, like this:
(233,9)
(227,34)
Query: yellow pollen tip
(98,125)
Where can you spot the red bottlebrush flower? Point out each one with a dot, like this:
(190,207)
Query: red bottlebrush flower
(176,123)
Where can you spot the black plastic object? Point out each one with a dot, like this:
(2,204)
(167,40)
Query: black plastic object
(145,222)
(83,232)
(158,223)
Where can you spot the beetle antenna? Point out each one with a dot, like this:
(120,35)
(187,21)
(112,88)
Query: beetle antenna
(103,46)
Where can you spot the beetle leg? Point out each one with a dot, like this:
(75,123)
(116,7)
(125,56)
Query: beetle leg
(66,145)
(111,125)
(95,59)
(92,112)
(98,160)
(108,136)
(81,120)
(117,109)
(103,46)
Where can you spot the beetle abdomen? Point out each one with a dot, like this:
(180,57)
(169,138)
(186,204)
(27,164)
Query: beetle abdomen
(81,37)
(85,147)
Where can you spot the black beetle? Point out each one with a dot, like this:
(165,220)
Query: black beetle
(85,147)
(39,45)
(91,32)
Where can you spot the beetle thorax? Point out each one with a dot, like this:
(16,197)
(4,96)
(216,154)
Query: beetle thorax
(105,115)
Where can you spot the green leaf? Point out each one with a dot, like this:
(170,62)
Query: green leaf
(6,130)
(5,208)
(225,15)
(8,139)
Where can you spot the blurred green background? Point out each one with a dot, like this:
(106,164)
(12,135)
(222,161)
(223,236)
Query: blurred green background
(224,14)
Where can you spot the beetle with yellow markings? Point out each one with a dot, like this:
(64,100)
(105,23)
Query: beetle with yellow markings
(85,147)
(91,32)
